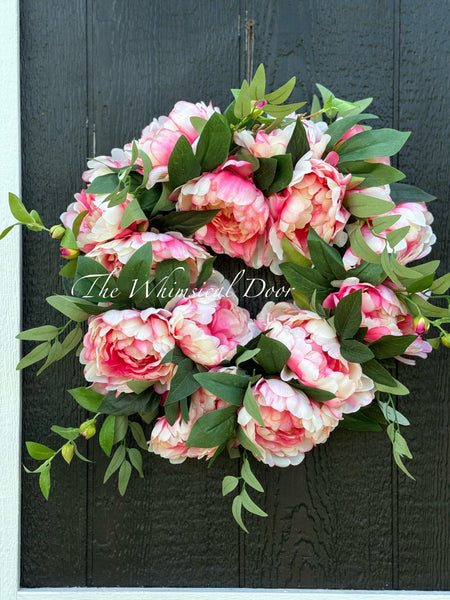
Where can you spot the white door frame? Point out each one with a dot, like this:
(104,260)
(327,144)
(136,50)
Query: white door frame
(10,386)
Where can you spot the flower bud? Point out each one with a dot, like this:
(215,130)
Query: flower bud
(445,339)
(87,429)
(67,452)
(69,253)
(57,232)
(421,324)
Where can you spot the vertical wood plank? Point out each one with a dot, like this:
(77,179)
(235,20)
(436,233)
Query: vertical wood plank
(172,528)
(330,520)
(53,82)
(424,541)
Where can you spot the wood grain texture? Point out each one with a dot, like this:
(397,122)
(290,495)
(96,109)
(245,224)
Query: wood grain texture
(171,529)
(53,81)
(330,520)
(423,505)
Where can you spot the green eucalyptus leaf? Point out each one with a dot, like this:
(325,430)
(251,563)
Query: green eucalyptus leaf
(282,93)
(273,356)
(136,460)
(212,428)
(88,398)
(132,213)
(347,317)
(43,333)
(116,461)
(372,144)
(37,354)
(229,483)
(298,145)
(374,174)
(124,477)
(186,222)
(106,435)
(39,451)
(213,145)
(226,386)
(183,166)
(404,192)
(104,184)
(44,482)
(252,407)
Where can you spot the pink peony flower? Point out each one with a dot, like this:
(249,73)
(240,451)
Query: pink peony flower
(102,222)
(116,253)
(415,245)
(313,198)
(159,138)
(382,313)
(208,326)
(265,144)
(293,423)
(315,356)
(239,229)
(100,165)
(124,345)
(169,440)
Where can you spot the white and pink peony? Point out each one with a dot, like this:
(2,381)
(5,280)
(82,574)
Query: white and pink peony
(209,325)
(169,441)
(116,253)
(293,423)
(101,223)
(239,229)
(125,345)
(315,356)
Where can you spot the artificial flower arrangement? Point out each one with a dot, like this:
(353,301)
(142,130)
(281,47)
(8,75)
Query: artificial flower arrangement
(173,364)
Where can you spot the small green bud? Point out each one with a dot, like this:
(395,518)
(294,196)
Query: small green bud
(67,452)
(57,232)
(445,340)
(87,429)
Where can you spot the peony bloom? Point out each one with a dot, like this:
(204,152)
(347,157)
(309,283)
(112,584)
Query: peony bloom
(124,345)
(102,222)
(265,144)
(313,198)
(159,138)
(101,165)
(315,356)
(293,423)
(208,326)
(116,253)
(239,229)
(317,136)
(382,313)
(169,440)
(415,245)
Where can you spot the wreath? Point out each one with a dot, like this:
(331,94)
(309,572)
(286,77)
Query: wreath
(173,364)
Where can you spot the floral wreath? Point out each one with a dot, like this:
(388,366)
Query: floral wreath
(174,365)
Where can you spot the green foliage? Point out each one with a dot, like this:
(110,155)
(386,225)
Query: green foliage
(226,386)
(213,428)
(213,145)
(183,165)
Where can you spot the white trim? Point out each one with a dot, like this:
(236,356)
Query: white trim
(10,300)
(10,396)
(220,594)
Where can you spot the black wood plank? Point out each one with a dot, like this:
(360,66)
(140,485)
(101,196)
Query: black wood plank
(53,82)
(424,540)
(171,529)
(330,522)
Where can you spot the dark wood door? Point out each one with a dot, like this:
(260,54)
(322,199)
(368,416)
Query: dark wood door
(95,72)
